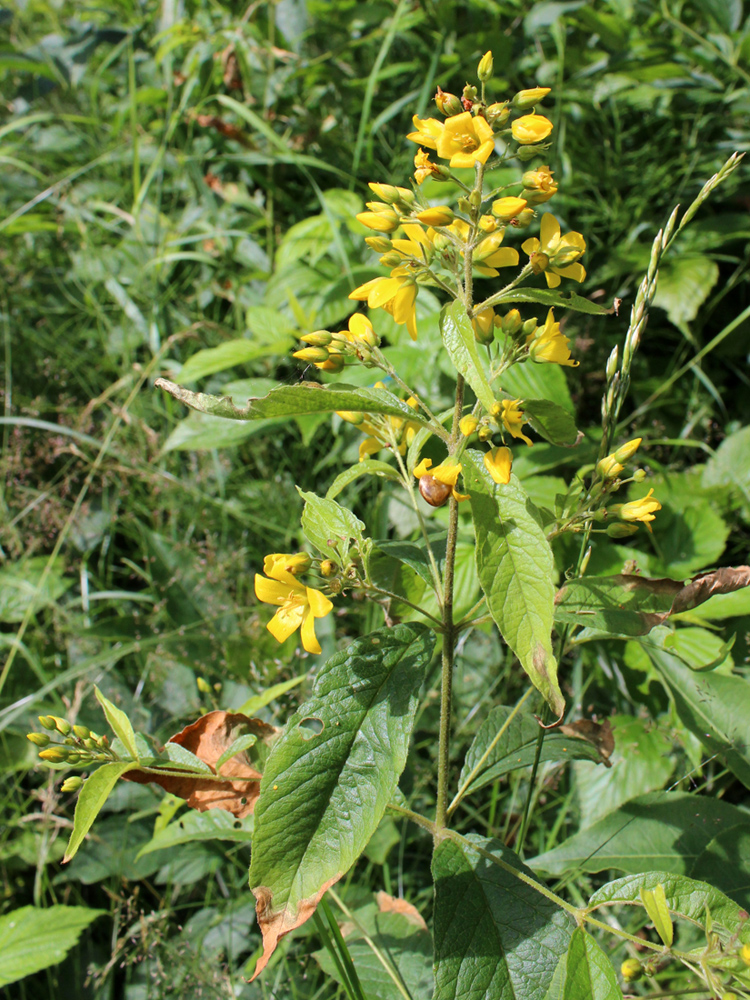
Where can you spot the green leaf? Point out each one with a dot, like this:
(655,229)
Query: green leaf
(289,400)
(555,299)
(370,467)
(330,527)
(730,464)
(325,790)
(686,898)
(684,285)
(725,864)
(415,555)
(200,431)
(19,586)
(667,830)
(516,747)
(215,824)
(243,743)
(623,605)
(258,701)
(91,798)
(495,936)
(33,938)
(228,355)
(533,380)
(463,350)
(181,757)
(655,904)
(119,723)
(551,421)
(714,707)
(516,570)
(588,973)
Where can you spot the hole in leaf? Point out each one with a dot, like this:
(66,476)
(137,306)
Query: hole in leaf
(310,727)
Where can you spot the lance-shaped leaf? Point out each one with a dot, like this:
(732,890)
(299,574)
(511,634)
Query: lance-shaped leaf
(714,707)
(666,830)
(330,527)
(92,797)
(293,400)
(504,744)
(588,972)
(555,299)
(329,778)
(463,350)
(495,936)
(627,604)
(516,569)
(551,421)
(686,899)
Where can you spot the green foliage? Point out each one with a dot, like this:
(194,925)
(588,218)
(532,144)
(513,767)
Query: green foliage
(32,938)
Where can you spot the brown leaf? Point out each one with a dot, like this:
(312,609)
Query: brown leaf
(391,904)
(276,924)
(599,734)
(208,738)
(705,585)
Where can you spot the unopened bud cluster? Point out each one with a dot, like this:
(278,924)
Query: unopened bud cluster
(79,744)
(329,351)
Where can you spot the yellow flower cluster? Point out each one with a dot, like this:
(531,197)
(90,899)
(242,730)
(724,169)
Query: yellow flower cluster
(298,605)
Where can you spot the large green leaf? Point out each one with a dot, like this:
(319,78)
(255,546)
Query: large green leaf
(551,421)
(535,380)
(330,527)
(120,723)
(91,798)
(215,824)
(555,299)
(331,774)
(495,936)
(289,400)
(463,350)
(588,973)
(687,899)
(489,757)
(725,864)
(516,571)
(684,285)
(33,938)
(714,707)
(666,830)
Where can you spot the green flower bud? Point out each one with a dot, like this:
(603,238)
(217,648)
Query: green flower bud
(82,732)
(464,205)
(203,686)
(406,196)
(71,784)
(328,567)
(512,323)
(525,100)
(529,326)
(378,243)
(485,67)
(639,475)
(386,192)
(619,530)
(61,725)
(448,104)
(392,259)
(497,114)
(38,739)
(318,338)
(631,970)
(524,218)
(47,721)
(525,153)
(485,433)
(470,93)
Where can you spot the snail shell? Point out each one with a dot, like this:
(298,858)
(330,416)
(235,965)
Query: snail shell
(433,491)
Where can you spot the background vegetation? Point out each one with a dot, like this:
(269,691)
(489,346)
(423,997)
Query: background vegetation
(178,186)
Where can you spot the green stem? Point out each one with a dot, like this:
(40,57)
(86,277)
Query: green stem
(493,300)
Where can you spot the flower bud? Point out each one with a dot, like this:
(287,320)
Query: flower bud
(386,192)
(523,218)
(487,224)
(506,209)
(531,128)
(75,758)
(745,954)
(627,450)
(314,354)
(378,243)
(82,732)
(497,114)
(381,222)
(475,199)
(318,338)
(328,567)
(464,205)
(467,425)
(612,363)
(567,255)
(47,721)
(203,686)
(485,433)
(512,323)
(485,67)
(38,739)
(440,242)
(609,467)
(71,784)
(61,725)
(406,196)
(441,215)
(631,970)
(53,755)
(539,262)
(525,153)
(526,99)
(351,416)
(484,326)
(447,103)
(639,475)
(392,259)
(469,94)
(529,326)
(334,364)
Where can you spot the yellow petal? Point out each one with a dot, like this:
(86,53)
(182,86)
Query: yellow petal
(370,446)
(359,325)
(318,602)
(271,591)
(416,233)
(362,293)
(575,271)
(460,496)
(286,621)
(528,246)
(482,129)
(552,279)
(403,302)
(498,463)
(422,469)
(384,291)
(309,639)
(550,228)
(503,257)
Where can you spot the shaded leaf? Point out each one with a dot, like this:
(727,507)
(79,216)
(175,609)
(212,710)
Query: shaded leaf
(215,825)
(208,739)
(556,299)
(516,569)
(538,381)
(370,467)
(325,787)
(662,829)
(589,974)
(725,864)
(495,936)
(91,798)
(598,734)
(553,422)
(684,285)
(330,527)
(258,701)
(32,938)
(463,350)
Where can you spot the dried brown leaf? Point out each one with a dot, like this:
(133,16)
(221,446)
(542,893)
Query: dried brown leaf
(391,904)
(208,738)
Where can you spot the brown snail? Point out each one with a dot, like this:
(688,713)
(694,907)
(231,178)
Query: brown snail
(434,492)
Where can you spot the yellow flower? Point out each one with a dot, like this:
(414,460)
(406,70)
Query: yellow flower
(468,424)
(427,131)
(397,295)
(360,331)
(548,344)
(424,167)
(531,128)
(488,255)
(441,215)
(298,605)
(512,417)
(538,185)
(295,563)
(498,463)
(418,245)
(466,139)
(506,209)
(555,255)
(446,474)
(640,510)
